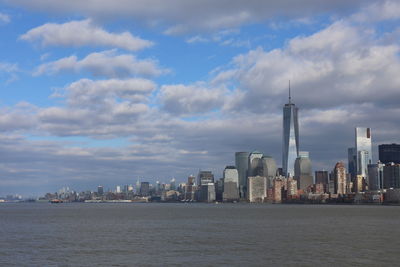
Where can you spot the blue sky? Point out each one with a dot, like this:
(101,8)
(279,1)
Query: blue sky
(94,92)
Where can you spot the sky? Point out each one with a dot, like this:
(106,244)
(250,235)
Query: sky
(102,92)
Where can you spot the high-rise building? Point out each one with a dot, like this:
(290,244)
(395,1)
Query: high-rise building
(389,153)
(303,171)
(364,150)
(290,148)
(269,169)
(257,189)
(100,190)
(340,178)
(391,176)
(190,189)
(144,189)
(375,176)
(352,161)
(205,177)
(255,164)
(230,186)
(242,165)
(321,177)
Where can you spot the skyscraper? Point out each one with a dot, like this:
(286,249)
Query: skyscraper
(389,153)
(364,150)
(242,165)
(269,169)
(375,176)
(231,188)
(303,171)
(290,148)
(340,178)
(255,164)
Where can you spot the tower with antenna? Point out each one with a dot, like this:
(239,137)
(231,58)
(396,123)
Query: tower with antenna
(290,143)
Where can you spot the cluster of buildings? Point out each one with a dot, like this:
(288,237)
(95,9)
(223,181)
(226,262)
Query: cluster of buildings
(257,178)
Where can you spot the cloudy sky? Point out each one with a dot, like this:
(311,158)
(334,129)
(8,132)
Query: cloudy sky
(105,92)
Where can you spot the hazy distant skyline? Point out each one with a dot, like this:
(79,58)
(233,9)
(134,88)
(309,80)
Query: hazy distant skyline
(106,92)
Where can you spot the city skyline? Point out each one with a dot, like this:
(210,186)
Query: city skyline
(109,94)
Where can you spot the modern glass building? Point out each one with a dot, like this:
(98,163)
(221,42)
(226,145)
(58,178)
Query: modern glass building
(242,165)
(364,150)
(290,149)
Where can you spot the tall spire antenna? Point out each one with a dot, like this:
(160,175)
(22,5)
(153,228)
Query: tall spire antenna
(290,97)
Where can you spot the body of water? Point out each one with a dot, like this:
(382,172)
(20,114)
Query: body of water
(151,234)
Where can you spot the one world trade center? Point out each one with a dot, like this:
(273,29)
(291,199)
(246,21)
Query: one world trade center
(290,148)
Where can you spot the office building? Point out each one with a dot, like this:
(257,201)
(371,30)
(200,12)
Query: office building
(391,176)
(303,171)
(290,148)
(340,180)
(205,177)
(269,169)
(100,190)
(352,162)
(207,193)
(144,189)
(389,153)
(257,189)
(375,176)
(231,184)
(364,150)
(255,164)
(190,189)
(242,165)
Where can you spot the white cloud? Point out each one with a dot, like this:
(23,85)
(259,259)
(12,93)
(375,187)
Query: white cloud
(182,16)
(106,63)
(4,18)
(379,11)
(191,99)
(83,33)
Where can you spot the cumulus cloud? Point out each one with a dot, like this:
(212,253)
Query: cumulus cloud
(83,33)
(206,15)
(191,99)
(106,63)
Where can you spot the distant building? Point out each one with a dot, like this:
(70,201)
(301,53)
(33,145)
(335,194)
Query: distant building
(340,178)
(269,169)
(278,185)
(303,171)
(389,153)
(257,189)
(290,148)
(255,164)
(190,189)
(242,165)
(205,177)
(230,186)
(144,189)
(322,179)
(391,174)
(375,176)
(352,162)
(100,190)
(364,150)
(207,193)
(359,184)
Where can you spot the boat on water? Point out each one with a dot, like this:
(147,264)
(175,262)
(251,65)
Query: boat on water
(56,201)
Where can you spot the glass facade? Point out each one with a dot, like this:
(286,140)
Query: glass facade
(290,149)
(364,150)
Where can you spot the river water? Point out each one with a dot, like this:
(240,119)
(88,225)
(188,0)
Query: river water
(156,234)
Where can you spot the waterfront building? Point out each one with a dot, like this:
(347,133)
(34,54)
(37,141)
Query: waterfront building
(359,184)
(364,150)
(118,189)
(391,175)
(340,178)
(207,192)
(290,144)
(230,184)
(242,165)
(100,190)
(172,184)
(303,171)
(278,184)
(269,169)
(322,178)
(190,189)
(292,186)
(375,176)
(257,189)
(144,189)
(389,153)
(137,187)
